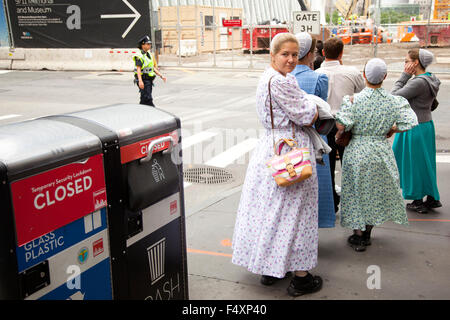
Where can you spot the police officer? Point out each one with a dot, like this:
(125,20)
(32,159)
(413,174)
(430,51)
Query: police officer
(145,71)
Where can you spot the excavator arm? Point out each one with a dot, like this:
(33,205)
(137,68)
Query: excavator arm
(303,5)
(346,7)
(366,8)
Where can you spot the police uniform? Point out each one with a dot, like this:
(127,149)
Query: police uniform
(146,61)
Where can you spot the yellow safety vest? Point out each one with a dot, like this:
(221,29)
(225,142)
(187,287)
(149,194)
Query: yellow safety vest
(148,64)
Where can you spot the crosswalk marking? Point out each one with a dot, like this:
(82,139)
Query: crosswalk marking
(197,138)
(198,115)
(243,103)
(229,156)
(9,116)
(4,71)
(442,158)
(216,116)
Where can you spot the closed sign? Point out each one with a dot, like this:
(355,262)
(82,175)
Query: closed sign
(52,199)
(307,21)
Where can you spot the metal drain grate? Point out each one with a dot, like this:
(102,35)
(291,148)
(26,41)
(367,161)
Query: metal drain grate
(206,175)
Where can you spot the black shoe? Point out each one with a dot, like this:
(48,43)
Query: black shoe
(366,238)
(418,206)
(431,203)
(422,209)
(337,200)
(304,285)
(414,205)
(269,280)
(357,243)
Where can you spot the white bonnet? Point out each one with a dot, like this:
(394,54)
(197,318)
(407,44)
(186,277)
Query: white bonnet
(425,57)
(375,70)
(304,44)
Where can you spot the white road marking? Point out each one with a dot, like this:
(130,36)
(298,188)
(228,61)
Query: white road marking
(442,158)
(232,154)
(220,115)
(9,116)
(198,115)
(197,138)
(4,71)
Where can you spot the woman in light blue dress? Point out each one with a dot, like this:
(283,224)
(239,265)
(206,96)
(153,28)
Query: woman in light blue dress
(371,193)
(317,84)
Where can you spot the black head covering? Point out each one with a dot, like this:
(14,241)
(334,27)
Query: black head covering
(144,39)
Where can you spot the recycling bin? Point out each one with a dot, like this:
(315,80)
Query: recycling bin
(54,237)
(146,214)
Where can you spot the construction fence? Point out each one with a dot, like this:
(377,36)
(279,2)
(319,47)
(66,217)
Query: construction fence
(209,36)
(212,34)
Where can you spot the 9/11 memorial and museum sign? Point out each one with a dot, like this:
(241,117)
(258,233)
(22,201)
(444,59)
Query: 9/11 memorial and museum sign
(78,23)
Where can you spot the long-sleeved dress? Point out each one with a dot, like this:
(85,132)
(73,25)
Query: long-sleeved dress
(371,193)
(415,150)
(276,227)
(317,83)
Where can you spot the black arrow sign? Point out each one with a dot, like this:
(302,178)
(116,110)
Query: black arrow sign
(78,23)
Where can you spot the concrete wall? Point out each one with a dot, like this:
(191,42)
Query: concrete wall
(67,59)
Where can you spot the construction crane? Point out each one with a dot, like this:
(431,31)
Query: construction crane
(366,8)
(346,7)
(303,5)
(357,31)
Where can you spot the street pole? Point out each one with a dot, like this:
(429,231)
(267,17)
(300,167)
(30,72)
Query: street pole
(9,26)
(214,32)
(179,32)
(429,18)
(250,29)
(375,28)
(152,28)
(232,37)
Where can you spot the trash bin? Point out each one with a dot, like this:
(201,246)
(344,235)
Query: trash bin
(147,225)
(54,238)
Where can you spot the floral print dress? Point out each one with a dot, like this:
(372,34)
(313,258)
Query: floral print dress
(371,193)
(276,228)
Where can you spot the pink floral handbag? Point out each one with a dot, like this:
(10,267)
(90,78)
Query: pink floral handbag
(291,167)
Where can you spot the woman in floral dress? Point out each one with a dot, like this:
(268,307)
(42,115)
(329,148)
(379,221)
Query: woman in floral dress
(276,229)
(371,193)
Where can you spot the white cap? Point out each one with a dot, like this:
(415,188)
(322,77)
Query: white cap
(304,44)
(425,57)
(375,70)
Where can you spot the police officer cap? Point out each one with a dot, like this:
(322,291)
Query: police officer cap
(425,57)
(145,39)
(375,70)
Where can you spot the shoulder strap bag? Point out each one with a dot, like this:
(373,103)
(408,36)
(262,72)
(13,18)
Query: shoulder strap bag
(292,167)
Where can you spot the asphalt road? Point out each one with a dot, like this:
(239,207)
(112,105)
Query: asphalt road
(220,128)
(220,103)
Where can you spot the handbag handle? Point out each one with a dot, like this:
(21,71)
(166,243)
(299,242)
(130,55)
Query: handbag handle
(271,119)
(290,142)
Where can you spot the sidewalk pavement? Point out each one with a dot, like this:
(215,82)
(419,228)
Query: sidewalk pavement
(413,260)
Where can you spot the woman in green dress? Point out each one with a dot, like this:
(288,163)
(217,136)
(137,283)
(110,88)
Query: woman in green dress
(371,192)
(415,150)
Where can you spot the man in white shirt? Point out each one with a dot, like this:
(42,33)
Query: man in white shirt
(342,81)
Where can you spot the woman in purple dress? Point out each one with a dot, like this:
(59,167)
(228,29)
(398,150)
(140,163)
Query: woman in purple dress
(276,229)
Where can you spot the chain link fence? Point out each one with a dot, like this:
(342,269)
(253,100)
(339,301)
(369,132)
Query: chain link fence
(197,36)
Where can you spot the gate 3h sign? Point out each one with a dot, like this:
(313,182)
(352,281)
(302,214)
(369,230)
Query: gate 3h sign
(307,21)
